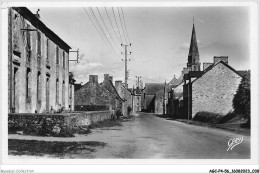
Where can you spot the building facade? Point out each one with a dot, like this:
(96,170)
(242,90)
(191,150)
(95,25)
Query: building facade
(214,91)
(38,75)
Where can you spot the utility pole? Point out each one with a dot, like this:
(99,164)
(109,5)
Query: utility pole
(164,98)
(125,103)
(138,82)
(126,60)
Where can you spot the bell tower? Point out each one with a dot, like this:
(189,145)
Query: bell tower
(193,57)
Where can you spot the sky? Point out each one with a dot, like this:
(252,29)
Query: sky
(160,38)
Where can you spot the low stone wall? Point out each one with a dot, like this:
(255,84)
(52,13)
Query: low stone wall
(63,125)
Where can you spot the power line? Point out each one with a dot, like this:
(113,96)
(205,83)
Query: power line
(107,29)
(125,25)
(117,25)
(121,24)
(112,25)
(100,27)
(100,34)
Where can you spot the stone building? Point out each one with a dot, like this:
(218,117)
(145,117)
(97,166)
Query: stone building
(137,100)
(127,97)
(38,65)
(150,94)
(93,96)
(116,100)
(214,90)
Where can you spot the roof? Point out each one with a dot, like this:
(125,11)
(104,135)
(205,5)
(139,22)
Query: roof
(244,73)
(193,74)
(173,80)
(37,23)
(92,94)
(112,89)
(153,88)
(210,67)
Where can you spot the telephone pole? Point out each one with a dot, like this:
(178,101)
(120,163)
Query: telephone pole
(126,60)
(138,82)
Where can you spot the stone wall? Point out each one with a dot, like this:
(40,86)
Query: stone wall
(215,90)
(55,124)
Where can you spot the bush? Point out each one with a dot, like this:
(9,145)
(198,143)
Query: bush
(241,101)
(91,108)
(208,117)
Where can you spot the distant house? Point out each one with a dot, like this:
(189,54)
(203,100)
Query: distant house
(92,96)
(116,100)
(149,95)
(214,90)
(126,95)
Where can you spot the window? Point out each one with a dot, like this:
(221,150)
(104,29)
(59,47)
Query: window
(47,49)
(38,86)
(63,57)
(28,82)
(57,55)
(57,91)
(39,43)
(28,45)
(63,93)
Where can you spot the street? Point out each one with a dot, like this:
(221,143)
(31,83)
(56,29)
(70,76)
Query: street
(143,137)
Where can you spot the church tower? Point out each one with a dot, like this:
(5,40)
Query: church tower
(193,57)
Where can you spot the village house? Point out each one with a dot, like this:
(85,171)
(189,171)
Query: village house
(126,95)
(116,100)
(136,104)
(214,90)
(93,97)
(38,65)
(149,96)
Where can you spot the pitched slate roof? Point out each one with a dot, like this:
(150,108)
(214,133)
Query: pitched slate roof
(111,88)
(92,94)
(28,15)
(210,67)
(153,88)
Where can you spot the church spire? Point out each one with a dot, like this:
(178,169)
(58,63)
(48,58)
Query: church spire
(193,57)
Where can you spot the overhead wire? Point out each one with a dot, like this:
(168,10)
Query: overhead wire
(96,27)
(125,25)
(117,26)
(107,29)
(121,24)
(112,25)
(100,27)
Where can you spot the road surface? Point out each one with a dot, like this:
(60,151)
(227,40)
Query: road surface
(146,136)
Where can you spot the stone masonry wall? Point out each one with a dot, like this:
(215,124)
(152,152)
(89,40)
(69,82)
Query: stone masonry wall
(215,90)
(55,124)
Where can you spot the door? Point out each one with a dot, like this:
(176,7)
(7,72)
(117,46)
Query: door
(15,96)
(47,94)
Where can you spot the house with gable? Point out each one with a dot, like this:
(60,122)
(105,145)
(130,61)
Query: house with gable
(214,90)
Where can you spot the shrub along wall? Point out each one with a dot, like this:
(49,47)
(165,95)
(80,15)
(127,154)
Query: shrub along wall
(91,108)
(63,125)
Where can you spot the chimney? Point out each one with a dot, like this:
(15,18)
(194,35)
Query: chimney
(93,78)
(37,14)
(216,59)
(111,78)
(118,85)
(206,65)
(106,77)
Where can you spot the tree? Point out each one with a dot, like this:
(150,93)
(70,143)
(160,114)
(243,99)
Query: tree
(241,101)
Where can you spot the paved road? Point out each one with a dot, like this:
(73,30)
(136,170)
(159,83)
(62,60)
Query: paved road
(149,136)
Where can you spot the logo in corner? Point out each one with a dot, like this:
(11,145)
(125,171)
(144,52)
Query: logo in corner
(234,142)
